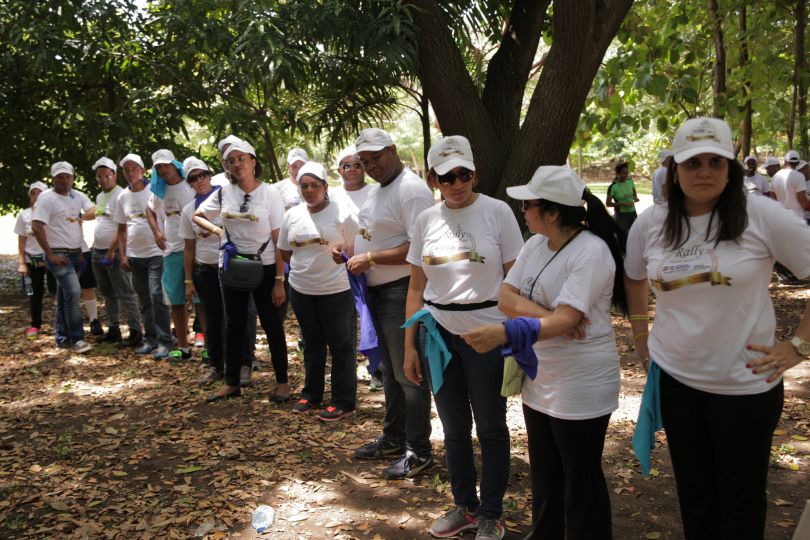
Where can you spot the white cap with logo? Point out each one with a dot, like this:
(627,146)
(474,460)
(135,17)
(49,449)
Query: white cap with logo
(792,156)
(242,146)
(702,136)
(297,154)
(162,156)
(450,152)
(313,168)
(346,152)
(134,158)
(191,163)
(104,162)
(230,139)
(771,162)
(37,185)
(61,167)
(373,140)
(555,183)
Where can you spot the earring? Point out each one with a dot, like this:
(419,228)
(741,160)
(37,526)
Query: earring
(675,179)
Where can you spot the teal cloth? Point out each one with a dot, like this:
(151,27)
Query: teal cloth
(649,419)
(158,184)
(435,348)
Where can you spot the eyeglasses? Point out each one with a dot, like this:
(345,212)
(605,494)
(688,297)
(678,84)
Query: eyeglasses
(450,178)
(245,204)
(349,166)
(194,177)
(525,205)
(240,159)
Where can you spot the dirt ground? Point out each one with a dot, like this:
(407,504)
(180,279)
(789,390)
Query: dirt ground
(112,445)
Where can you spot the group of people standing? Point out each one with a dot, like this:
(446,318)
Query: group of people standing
(451,289)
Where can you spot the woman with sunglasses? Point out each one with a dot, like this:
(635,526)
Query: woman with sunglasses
(460,251)
(355,191)
(570,272)
(251,215)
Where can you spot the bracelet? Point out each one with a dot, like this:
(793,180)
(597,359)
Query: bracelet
(370,259)
(188,282)
(638,318)
(280,278)
(640,334)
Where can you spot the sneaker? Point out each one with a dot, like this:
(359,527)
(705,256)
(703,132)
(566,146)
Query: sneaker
(211,374)
(245,376)
(113,335)
(303,405)
(379,448)
(489,529)
(331,414)
(161,353)
(205,360)
(256,365)
(95,328)
(453,522)
(145,348)
(199,339)
(31,333)
(81,346)
(376,384)
(133,341)
(407,466)
(180,354)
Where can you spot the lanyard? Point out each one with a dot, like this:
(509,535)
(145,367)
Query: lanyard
(531,289)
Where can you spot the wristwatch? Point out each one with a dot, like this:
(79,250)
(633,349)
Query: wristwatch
(281,279)
(802,346)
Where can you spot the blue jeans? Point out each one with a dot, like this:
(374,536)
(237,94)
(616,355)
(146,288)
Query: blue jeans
(327,320)
(407,405)
(69,327)
(146,279)
(116,286)
(473,381)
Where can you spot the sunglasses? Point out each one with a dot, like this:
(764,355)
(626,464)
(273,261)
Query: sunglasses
(245,204)
(450,178)
(350,166)
(194,177)
(525,205)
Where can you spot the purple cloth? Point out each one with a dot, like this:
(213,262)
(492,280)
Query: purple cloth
(229,250)
(521,335)
(199,199)
(369,345)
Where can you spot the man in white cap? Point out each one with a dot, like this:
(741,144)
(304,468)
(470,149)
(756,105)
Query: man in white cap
(114,282)
(381,248)
(56,224)
(804,168)
(753,182)
(659,178)
(288,188)
(789,186)
(771,167)
(164,218)
(140,255)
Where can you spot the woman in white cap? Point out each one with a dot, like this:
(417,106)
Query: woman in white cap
(459,254)
(708,255)
(32,261)
(252,215)
(320,293)
(570,272)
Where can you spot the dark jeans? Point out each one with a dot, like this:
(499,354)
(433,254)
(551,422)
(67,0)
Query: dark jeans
(39,274)
(206,282)
(69,321)
(236,310)
(720,446)
(569,494)
(625,219)
(326,320)
(472,389)
(407,405)
(146,279)
(116,286)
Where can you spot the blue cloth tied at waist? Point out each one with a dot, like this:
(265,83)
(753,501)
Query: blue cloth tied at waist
(521,334)
(649,419)
(369,343)
(436,350)
(228,251)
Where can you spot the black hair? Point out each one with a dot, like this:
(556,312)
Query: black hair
(322,181)
(730,209)
(594,217)
(257,170)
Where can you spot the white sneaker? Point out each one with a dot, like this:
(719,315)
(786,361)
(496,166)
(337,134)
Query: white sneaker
(81,346)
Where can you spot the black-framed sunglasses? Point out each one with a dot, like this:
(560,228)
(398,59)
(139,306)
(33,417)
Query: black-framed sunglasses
(245,204)
(349,166)
(449,179)
(525,205)
(194,177)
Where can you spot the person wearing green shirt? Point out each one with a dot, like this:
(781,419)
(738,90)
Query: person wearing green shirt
(622,196)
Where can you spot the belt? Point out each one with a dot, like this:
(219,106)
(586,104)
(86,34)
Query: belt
(463,307)
(66,250)
(205,265)
(399,281)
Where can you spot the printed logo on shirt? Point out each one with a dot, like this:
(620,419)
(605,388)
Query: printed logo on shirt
(363,219)
(72,219)
(689,266)
(452,246)
(245,216)
(137,215)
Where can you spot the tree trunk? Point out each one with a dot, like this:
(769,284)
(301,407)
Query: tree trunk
(272,171)
(424,116)
(745,137)
(719,106)
(800,77)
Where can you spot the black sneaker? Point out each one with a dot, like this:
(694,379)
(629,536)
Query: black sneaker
(379,448)
(303,406)
(95,328)
(180,354)
(134,340)
(113,335)
(333,414)
(408,466)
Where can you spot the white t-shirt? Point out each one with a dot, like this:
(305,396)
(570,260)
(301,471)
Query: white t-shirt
(462,252)
(130,210)
(785,184)
(713,301)
(23,228)
(62,215)
(220,179)
(311,238)
(168,212)
(106,227)
(289,192)
(757,184)
(248,230)
(658,180)
(353,200)
(578,379)
(387,219)
(206,247)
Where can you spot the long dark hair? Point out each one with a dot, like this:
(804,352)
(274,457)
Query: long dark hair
(730,210)
(617,169)
(257,171)
(594,217)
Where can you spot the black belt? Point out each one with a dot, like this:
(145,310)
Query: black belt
(66,250)
(463,307)
(206,265)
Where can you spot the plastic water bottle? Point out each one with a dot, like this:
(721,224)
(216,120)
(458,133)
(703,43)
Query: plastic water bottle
(27,287)
(262,518)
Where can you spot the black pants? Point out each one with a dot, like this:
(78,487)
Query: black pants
(569,494)
(206,282)
(720,446)
(236,307)
(39,275)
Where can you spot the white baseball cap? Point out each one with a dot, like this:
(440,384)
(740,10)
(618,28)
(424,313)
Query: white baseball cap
(37,185)
(162,156)
(104,162)
(664,154)
(191,163)
(556,183)
(771,162)
(702,136)
(230,139)
(61,167)
(373,140)
(242,146)
(450,152)
(802,164)
(792,156)
(346,152)
(297,154)
(750,158)
(313,168)
(135,158)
